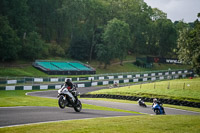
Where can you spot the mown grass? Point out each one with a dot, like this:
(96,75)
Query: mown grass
(129,67)
(27,71)
(182,89)
(18,98)
(125,124)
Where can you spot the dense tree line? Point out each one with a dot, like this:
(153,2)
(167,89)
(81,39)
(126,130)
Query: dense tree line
(189,46)
(84,29)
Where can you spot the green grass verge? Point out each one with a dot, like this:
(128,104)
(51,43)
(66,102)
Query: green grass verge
(27,71)
(125,124)
(18,98)
(183,89)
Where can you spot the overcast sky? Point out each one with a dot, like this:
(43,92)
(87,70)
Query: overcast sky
(185,10)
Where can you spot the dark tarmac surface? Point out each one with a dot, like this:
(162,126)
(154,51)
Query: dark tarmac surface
(11,116)
(124,106)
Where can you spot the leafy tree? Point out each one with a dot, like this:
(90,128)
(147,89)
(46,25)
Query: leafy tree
(95,13)
(17,12)
(56,50)
(166,37)
(137,14)
(9,42)
(78,49)
(189,46)
(158,14)
(116,39)
(104,55)
(68,25)
(33,47)
(180,25)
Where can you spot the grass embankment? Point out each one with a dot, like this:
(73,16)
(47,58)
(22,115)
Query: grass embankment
(129,67)
(127,124)
(25,69)
(30,71)
(180,89)
(18,98)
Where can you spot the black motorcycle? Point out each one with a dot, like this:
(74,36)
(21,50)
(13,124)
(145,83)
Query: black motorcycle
(142,103)
(69,99)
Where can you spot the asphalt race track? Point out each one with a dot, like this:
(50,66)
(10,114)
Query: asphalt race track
(11,116)
(124,106)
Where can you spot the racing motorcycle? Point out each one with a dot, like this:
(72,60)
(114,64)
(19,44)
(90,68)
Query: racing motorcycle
(141,103)
(69,99)
(158,109)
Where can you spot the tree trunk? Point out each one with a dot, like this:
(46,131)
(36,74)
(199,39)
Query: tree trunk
(105,66)
(91,49)
(121,62)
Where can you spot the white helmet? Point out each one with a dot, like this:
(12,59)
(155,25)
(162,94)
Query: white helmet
(155,100)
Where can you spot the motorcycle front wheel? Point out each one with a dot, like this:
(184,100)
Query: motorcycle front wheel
(78,106)
(157,111)
(61,102)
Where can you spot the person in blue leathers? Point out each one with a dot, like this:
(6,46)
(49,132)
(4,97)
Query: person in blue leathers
(157,105)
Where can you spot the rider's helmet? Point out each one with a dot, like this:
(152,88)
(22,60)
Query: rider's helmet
(67,80)
(155,100)
(140,99)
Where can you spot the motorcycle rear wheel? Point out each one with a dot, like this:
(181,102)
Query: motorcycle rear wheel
(78,106)
(61,102)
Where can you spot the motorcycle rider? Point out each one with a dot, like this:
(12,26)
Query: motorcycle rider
(156,101)
(69,85)
(141,102)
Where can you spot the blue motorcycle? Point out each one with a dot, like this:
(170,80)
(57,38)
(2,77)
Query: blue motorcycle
(158,109)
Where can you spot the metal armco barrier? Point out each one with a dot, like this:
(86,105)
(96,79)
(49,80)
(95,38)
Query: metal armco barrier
(146,74)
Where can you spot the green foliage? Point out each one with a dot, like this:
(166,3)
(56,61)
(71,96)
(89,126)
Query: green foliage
(116,39)
(189,46)
(166,37)
(9,42)
(56,50)
(70,26)
(79,49)
(17,13)
(158,14)
(33,46)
